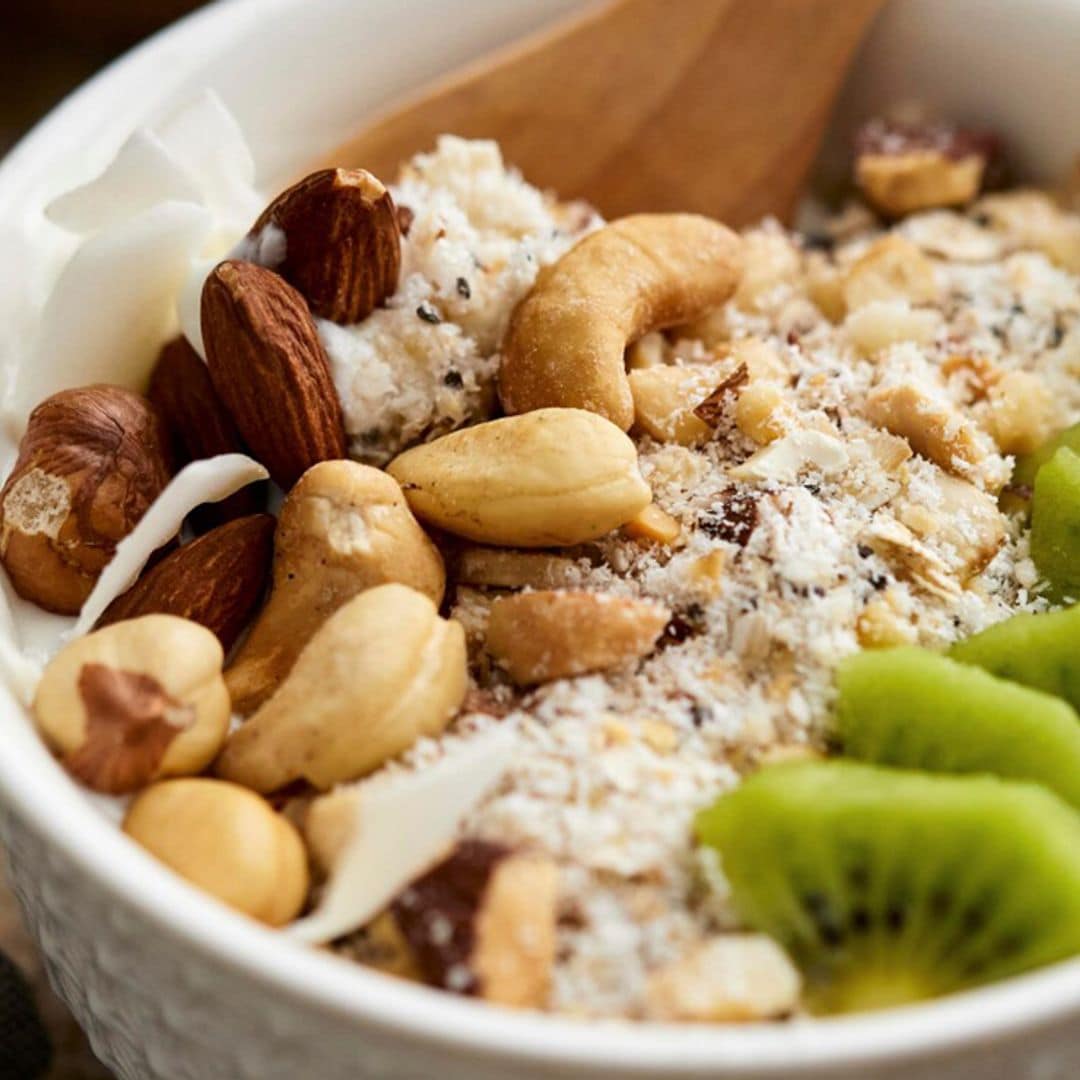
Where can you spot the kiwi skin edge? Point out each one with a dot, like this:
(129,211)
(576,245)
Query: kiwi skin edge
(888,887)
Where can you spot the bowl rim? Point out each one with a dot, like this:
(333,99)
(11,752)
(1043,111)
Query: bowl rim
(397,1009)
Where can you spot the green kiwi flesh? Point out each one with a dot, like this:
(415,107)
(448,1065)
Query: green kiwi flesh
(889,887)
(915,709)
(1041,651)
(1016,498)
(1055,524)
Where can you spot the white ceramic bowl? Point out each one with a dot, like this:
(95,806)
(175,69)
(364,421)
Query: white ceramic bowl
(171,985)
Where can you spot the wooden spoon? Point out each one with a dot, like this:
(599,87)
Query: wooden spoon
(716,106)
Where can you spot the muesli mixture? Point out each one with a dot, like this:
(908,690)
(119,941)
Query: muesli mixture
(511,656)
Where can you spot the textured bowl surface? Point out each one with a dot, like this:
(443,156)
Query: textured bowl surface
(171,985)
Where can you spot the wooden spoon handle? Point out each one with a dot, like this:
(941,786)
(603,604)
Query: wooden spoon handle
(709,105)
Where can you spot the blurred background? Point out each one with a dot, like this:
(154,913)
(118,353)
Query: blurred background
(47,48)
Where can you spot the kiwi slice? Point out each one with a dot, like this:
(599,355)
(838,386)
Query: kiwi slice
(1055,523)
(914,709)
(1016,498)
(1041,651)
(888,887)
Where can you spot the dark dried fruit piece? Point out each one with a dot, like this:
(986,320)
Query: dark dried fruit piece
(733,519)
(90,464)
(483,922)
(199,427)
(270,369)
(342,242)
(217,580)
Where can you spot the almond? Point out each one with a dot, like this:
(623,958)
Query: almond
(91,462)
(199,427)
(342,242)
(269,367)
(217,580)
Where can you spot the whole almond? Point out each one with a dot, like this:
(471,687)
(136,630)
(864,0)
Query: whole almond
(217,580)
(269,367)
(91,462)
(342,242)
(199,427)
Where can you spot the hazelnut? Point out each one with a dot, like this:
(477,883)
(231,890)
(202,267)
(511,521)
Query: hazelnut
(90,464)
(226,841)
(135,701)
(482,922)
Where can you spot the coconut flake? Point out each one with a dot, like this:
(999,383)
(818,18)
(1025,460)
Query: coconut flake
(189,303)
(143,174)
(113,305)
(200,482)
(396,826)
(784,459)
(207,140)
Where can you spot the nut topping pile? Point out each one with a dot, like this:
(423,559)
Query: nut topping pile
(621,495)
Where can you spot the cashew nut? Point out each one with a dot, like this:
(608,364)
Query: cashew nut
(380,673)
(549,478)
(567,338)
(344,528)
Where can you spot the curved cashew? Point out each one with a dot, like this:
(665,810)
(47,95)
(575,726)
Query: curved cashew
(567,338)
(343,528)
(380,673)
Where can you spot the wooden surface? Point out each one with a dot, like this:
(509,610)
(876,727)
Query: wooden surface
(709,105)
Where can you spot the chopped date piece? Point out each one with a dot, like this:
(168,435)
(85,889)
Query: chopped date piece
(734,518)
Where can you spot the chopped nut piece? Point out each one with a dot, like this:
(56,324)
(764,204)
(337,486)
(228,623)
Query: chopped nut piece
(882,323)
(502,569)
(654,525)
(911,559)
(712,410)
(977,373)
(771,259)
(902,168)
(542,636)
(1023,414)
(919,180)
(964,524)
(665,399)
(882,624)
(483,922)
(892,268)
(646,352)
(761,360)
(825,286)
(1031,219)
(762,412)
(733,977)
(708,572)
(932,425)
